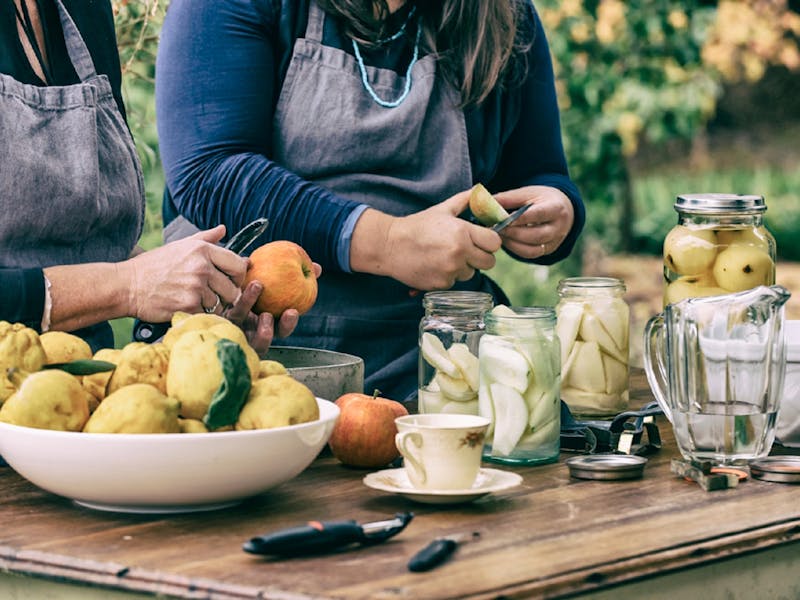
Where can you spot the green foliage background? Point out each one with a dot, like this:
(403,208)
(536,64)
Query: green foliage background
(629,74)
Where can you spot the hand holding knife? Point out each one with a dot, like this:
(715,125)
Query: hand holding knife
(498,227)
(144,331)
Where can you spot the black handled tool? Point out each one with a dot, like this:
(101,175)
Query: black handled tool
(316,537)
(150,332)
(436,553)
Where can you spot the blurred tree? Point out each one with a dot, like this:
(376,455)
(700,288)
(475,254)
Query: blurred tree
(138,23)
(651,70)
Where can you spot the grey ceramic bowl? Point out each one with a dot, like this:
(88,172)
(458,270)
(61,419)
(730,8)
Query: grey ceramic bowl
(328,374)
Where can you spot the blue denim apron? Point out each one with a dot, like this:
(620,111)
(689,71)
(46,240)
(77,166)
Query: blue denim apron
(71,187)
(399,160)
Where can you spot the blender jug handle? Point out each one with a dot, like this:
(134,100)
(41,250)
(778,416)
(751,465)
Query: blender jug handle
(654,362)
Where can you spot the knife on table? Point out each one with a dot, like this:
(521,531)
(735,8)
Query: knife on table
(437,552)
(144,331)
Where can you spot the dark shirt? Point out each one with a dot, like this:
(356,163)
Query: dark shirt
(22,290)
(219,73)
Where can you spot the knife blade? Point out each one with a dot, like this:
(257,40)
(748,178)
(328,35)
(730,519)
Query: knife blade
(144,331)
(510,219)
(248,234)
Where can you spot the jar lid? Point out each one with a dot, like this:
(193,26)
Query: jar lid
(606,466)
(780,469)
(720,203)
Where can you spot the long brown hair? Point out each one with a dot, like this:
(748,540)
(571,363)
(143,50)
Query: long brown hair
(479,44)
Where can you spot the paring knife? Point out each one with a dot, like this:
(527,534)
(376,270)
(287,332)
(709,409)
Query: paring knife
(437,552)
(316,537)
(241,241)
(510,219)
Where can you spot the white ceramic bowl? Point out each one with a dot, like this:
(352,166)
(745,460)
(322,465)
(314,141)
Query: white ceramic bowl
(152,473)
(787,430)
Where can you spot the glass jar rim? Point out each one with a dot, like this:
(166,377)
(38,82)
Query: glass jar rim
(591,283)
(718,203)
(524,313)
(457,299)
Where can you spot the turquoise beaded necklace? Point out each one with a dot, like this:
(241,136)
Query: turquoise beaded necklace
(363,69)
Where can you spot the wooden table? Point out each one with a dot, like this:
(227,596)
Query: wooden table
(551,537)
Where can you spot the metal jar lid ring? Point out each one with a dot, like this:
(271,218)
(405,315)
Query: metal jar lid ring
(606,466)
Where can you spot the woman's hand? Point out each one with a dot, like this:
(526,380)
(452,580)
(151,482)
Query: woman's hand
(260,329)
(192,275)
(543,227)
(428,250)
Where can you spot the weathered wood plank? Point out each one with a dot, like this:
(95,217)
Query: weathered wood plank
(550,537)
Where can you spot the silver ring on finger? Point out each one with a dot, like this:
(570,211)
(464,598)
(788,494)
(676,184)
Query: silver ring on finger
(214,308)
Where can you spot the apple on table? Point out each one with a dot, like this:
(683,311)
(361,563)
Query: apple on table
(364,433)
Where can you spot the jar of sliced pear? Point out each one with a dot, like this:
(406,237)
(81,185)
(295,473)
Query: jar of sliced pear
(519,385)
(593,326)
(449,334)
(719,246)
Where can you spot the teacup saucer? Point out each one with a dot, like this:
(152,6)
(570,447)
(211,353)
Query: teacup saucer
(396,481)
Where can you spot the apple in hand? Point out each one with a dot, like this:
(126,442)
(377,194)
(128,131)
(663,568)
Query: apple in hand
(287,274)
(364,433)
(483,205)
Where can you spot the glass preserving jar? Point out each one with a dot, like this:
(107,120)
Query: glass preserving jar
(448,351)
(593,326)
(519,385)
(719,246)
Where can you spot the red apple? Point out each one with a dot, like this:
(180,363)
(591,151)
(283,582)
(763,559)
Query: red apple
(364,434)
(287,274)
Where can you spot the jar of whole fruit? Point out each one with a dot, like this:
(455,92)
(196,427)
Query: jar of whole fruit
(719,246)
(519,385)
(448,350)
(593,326)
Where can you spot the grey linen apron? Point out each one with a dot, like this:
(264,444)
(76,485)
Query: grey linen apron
(400,160)
(71,187)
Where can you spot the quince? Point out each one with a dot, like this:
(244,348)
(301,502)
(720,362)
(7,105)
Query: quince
(197,371)
(135,408)
(691,286)
(192,426)
(689,251)
(277,401)
(62,347)
(20,347)
(740,268)
(49,399)
(271,367)
(219,326)
(97,383)
(139,362)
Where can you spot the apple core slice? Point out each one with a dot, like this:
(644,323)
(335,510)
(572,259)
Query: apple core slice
(434,352)
(511,418)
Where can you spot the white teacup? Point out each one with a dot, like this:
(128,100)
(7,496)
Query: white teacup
(441,451)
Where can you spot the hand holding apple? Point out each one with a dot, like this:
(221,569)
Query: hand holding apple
(288,277)
(364,434)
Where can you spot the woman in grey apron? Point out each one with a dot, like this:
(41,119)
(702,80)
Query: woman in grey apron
(71,193)
(395,141)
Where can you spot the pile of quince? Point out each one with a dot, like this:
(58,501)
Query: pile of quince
(202,376)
